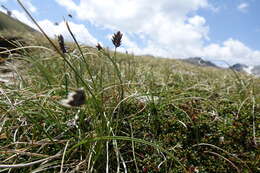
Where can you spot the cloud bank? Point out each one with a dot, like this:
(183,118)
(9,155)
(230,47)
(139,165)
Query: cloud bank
(166,28)
(79,30)
(169,28)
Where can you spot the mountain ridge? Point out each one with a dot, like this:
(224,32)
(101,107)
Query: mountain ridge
(199,61)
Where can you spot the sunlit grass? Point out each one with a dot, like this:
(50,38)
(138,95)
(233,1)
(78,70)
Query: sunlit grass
(142,114)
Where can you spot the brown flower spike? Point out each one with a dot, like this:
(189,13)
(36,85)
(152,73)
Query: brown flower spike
(116,39)
(99,47)
(61,44)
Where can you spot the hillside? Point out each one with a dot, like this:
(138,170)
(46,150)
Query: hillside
(131,114)
(11,24)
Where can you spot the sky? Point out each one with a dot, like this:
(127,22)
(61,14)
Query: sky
(222,31)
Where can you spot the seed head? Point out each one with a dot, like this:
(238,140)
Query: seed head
(75,98)
(61,44)
(116,39)
(99,47)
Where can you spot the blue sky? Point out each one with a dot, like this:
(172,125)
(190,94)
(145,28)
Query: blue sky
(223,31)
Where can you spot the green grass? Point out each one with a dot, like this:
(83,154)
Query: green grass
(12,24)
(142,114)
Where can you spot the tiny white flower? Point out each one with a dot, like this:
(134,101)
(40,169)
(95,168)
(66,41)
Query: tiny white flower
(221,139)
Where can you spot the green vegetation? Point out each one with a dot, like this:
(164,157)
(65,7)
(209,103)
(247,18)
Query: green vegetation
(142,114)
(11,24)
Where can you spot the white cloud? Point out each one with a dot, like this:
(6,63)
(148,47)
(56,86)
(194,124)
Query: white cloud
(28,4)
(132,15)
(233,51)
(22,17)
(79,30)
(171,27)
(164,23)
(2,10)
(243,7)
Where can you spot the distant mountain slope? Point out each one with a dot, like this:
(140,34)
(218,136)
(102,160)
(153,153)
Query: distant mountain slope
(254,70)
(11,24)
(200,62)
(239,67)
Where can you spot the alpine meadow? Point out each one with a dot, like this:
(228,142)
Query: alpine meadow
(71,107)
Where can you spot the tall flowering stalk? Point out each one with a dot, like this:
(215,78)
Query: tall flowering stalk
(117,40)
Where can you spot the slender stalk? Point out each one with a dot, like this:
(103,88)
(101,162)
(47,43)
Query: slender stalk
(31,163)
(59,52)
(82,55)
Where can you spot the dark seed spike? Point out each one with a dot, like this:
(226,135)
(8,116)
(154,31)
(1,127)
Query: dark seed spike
(99,47)
(61,44)
(117,38)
